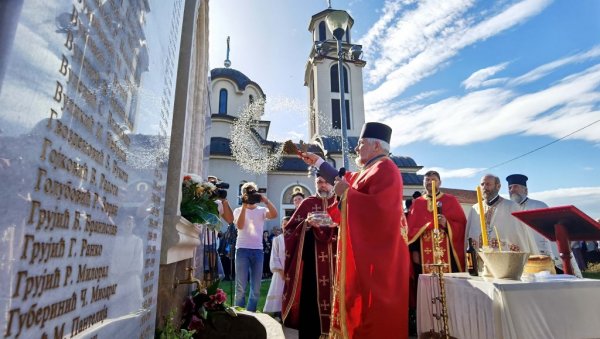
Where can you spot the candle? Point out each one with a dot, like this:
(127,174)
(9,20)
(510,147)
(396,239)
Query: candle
(482,218)
(498,238)
(434,204)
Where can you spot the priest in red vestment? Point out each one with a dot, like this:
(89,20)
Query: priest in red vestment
(309,267)
(451,221)
(371,283)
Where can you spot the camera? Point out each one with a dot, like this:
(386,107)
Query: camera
(251,197)
(222,189)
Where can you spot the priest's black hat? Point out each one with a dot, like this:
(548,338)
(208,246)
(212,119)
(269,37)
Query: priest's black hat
(376,130)
(518,179)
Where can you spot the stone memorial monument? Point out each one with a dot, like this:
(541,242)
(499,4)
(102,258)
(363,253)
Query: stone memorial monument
(87,90)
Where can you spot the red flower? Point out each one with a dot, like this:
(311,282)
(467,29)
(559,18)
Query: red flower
(187,177)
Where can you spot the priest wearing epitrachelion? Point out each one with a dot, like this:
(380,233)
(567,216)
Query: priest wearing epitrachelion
(371,283)
(514,235)
(518,191)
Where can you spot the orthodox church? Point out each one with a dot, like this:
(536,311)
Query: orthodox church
(232,90)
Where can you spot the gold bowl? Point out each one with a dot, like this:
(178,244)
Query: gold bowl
(505,265)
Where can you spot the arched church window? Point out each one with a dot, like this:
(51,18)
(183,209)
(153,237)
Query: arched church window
(322,30)
(287,204)
(334,79)
(251,99)
(223,101)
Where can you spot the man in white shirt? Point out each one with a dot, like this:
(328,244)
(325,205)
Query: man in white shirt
(250,221)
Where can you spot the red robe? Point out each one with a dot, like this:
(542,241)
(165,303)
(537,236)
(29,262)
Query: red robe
(371,285)
(325,249)
(420,227)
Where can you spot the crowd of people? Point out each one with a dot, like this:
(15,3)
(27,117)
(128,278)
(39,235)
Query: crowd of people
(356,276)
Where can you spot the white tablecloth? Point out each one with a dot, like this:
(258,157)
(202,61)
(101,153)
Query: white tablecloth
(498,308)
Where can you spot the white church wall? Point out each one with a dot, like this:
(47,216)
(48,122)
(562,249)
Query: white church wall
(280,181)
(220,128)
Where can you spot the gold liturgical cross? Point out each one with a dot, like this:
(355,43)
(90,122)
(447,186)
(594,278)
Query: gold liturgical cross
(324,305)
(323,280)
(316,208)
(323,256)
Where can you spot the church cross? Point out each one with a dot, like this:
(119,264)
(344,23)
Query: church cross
(328,3)
(316,208)
(323,256)
(299,218)
(227,48)
(324,305)
(323,280)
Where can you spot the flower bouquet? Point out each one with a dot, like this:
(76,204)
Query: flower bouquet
(198,202)
(199,308)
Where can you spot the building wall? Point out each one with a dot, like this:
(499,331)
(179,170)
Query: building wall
(236,98)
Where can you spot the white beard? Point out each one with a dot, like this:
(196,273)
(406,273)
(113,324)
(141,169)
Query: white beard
(325,194)
(518,198)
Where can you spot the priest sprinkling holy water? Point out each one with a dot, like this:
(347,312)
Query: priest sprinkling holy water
(371,283)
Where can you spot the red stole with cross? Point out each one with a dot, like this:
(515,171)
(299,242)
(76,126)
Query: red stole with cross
(325,249)
(371,284)
(420,227)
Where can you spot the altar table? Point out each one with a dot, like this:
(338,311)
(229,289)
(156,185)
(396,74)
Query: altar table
(499,308)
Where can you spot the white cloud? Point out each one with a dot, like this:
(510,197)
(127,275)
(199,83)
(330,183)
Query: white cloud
(446,173)
(545,69)
(584,198)
(564,107)
(481,77)
(424,39)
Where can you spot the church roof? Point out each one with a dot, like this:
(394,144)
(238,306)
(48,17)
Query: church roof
(240,79)
(411,179)
(334,144)
(324,13)
(404,161)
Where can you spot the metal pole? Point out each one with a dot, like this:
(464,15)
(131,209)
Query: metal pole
(342,89)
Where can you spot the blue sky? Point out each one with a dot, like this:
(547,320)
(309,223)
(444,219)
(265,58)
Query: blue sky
(465,85)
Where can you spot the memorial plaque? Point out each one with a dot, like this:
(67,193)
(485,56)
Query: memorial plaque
(86,97)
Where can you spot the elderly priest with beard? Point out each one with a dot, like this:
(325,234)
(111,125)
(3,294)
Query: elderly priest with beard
(371,283)
(309,265)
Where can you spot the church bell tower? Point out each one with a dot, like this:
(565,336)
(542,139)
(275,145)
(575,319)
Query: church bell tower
(322,79)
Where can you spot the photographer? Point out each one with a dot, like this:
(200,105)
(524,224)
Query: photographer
(222,203)
(250,222)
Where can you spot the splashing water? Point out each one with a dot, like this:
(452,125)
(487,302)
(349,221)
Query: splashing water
(246,147)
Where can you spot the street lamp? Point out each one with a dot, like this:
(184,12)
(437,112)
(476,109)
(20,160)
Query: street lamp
(337,22)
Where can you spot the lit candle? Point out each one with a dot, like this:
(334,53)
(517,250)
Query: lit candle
(482,218)
(498,237)
(434,204)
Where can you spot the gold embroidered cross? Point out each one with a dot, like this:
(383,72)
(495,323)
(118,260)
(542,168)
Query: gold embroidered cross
(324,280)
(324,305)
(323,256)
(316,208)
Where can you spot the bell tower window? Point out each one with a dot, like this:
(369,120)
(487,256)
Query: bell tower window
(334,79)
(336,122)
(322,30)
(223,101)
